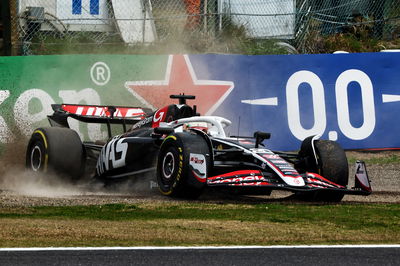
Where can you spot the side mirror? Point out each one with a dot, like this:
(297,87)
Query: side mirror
(260,137)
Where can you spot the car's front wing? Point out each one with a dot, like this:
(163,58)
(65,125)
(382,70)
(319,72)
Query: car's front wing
(313,181)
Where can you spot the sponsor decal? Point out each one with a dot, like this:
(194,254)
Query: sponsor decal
(288,174)
(239,178)
(261,151)
(280,161)
(196,160)
(286,168)
(103,111)
(143,122)
(112,155)
(159,117)
(240,181)
(198,166)
(271,156)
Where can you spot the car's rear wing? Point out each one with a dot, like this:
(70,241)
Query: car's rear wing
(97,114)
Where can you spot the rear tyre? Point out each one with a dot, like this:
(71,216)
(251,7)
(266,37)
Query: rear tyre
(332,166)
(183,164)
(56,150)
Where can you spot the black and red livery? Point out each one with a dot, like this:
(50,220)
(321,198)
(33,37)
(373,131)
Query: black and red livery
(188,153)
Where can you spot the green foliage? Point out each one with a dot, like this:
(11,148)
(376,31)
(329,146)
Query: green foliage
(232,38)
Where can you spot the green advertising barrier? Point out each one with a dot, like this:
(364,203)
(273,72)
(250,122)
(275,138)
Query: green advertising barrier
(29,85)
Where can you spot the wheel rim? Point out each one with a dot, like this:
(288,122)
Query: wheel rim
(168,165)
(36,158)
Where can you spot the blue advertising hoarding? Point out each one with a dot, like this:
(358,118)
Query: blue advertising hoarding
(351,98)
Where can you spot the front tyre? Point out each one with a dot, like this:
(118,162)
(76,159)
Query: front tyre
(332,165)
(56,150)
(183,164)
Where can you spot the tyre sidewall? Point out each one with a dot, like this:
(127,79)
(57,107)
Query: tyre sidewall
(184,183)
(63,152)
(37,141)
(170,186)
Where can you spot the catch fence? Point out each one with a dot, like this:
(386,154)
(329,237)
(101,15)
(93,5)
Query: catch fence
(221,26)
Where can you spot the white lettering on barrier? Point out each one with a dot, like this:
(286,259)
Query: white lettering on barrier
(318,103)
(342,105)
(24,119)
(5,132)
(33,105)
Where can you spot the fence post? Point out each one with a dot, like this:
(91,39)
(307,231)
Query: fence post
(379,18)
(13,26)
(6,18)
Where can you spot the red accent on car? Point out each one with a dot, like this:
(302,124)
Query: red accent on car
(239,178)
(202,180)
(311,175)
(103,111)
(159,116)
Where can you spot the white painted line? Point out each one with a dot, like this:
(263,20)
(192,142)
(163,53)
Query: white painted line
(263,101)
(389,98)
(197,247)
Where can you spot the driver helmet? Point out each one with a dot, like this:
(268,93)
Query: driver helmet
(197,125)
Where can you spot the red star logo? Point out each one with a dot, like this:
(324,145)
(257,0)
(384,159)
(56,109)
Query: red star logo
(181,78)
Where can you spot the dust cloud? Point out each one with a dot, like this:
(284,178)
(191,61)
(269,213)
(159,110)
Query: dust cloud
(16,179)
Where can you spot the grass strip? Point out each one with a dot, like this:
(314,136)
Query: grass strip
(182,223)
(390,159)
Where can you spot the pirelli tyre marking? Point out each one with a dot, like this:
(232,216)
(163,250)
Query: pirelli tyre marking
(180,167)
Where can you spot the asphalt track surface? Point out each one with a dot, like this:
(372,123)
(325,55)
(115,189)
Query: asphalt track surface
(301,255)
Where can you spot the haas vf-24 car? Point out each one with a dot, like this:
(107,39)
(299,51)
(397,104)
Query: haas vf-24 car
(188,153)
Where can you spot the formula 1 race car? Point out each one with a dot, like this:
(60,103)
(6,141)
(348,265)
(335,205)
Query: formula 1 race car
(188,153)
